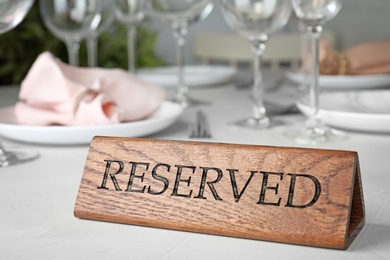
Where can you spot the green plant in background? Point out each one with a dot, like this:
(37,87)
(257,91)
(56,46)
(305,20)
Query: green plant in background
(20,47)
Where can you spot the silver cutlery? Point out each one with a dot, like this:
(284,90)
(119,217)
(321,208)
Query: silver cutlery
(200,128)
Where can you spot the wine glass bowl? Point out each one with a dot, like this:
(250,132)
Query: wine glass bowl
(316,12)
(130,14)
(71,21)
(180,15)
(12,13)
(256,20)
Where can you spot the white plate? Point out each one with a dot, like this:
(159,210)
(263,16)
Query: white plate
(195,76)
(346,82)
(162,118)
(367,111)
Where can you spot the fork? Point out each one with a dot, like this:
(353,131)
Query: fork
(200,128)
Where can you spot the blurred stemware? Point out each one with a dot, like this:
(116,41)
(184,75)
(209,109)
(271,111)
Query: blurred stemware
(256,20)
(130,13)
(12,13)
(71,21)
(180,15)
(313,14)
(107,18)
(304,87)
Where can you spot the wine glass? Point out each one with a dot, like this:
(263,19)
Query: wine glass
(304,87)
(313,14)
(12,13)
(130,13)
(256,20)
(180,15)
(71,21)
(92,37)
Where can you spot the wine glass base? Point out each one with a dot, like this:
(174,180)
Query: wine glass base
(14,157)
(253,123)
(315,135)
(189,102)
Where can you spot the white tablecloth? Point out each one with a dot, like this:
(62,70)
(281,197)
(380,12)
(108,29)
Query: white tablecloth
(37,198)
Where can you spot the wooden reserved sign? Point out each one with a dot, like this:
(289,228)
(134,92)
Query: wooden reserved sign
(291,195)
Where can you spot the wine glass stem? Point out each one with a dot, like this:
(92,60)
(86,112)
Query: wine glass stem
(314,118)
(258,109)
(131,47)
(305,62)
(73,52)
(182,89)
(92,51)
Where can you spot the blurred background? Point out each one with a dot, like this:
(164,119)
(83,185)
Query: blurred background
(358,21)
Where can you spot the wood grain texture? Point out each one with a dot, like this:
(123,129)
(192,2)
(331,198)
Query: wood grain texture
(247,191)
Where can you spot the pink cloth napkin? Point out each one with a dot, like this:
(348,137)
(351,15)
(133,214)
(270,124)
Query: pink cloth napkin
(362,59)
(55,93)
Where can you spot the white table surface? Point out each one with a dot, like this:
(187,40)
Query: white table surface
(37,198)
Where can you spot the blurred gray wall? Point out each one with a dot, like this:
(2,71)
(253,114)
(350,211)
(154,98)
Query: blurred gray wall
(358,21)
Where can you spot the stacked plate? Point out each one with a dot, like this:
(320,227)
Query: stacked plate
(359,103)
(195,76)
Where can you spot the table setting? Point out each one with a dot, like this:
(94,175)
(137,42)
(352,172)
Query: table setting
(338,100)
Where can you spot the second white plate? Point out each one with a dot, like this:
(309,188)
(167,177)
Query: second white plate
(346,82)
(367,111)
(195,76)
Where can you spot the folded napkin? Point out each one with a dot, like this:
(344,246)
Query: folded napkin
(55,93)
(366,58)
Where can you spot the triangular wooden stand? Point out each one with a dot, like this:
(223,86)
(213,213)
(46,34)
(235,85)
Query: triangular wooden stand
(291,195)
